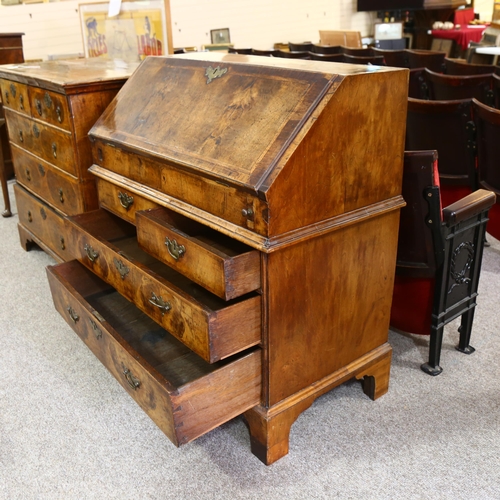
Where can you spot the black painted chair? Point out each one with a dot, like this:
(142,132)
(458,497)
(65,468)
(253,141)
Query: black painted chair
(439,257)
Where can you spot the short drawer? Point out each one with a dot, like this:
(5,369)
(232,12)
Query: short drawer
(52,145)
(50,107)
(43,222)
(222,265)
(15,96)
(210,326)
(120,201)
(184,395)
(57,188)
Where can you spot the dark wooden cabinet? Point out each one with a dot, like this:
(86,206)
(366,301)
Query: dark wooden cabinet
(249,214)
(49,108)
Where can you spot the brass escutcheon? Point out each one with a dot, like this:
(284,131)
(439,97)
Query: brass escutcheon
(54,149)
(13,90)
(21,138)
(174,249)
(91,253)
(38,106)
(36,131)
(21,101)
(41,169)
(61,195)
(122,268)
(213,73)
(47,100)
(126,200)
(97,330)
(30,217)
(43,213)
(63,245)
(28,174)
(7,97)
(133,382)
(161,304)
(72,314)
(59,114)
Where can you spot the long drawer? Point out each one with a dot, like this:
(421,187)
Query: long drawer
(43,222)
(210,326)
(185,396)
(60,190)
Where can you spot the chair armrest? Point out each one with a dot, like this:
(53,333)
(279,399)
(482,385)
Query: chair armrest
(473,204)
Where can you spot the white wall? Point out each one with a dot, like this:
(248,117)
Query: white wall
(54,28)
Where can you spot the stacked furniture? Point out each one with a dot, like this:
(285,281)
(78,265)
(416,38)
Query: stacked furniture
(243,257)
(49,109)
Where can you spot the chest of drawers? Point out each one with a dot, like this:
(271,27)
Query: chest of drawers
(49,108)
(242,259)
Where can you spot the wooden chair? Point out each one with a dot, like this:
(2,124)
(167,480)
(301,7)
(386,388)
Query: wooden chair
(357,51)
(447,127)
(325,49)
(300,47)
(3,179)
(487,123)
(438,259)
(455,67)
(450,87)
(418,87)
(378,60)
(233,50)
(426,59)
(265,52)
(292,55)
(326,57)
(395,58)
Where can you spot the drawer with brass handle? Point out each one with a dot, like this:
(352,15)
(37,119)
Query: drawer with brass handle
(184,395)
(50,107)
(15,96)
(210,326)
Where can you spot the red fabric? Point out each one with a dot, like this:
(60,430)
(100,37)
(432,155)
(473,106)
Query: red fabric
(412,305)
(493,226)
(463,16)
(451,194)
(462,36)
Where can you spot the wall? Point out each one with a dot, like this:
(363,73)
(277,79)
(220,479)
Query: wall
(54,28)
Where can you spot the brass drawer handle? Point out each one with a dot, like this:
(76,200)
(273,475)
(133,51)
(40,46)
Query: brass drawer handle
(21,102)
(61,195)
(72,314)
(41,169)
(122,268)
(13,90)
(38,106)
(91,253)
(36,131)
(59,114)
(126,200)
(133,382)
(30,217)
(161,304)
(47,100)
(7,97)
(43,213)
(63,244)
(97,330)
(28,174)
(54,149)
(174,249)
(21,138)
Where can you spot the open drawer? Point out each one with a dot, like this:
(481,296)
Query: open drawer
(210,326)
(184,395)
(217,262)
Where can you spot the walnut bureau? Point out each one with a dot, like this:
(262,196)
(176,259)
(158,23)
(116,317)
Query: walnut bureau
(242,259)
(49,109)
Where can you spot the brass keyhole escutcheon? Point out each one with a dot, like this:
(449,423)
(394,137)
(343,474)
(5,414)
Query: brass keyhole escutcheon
(63,244)
(61,195)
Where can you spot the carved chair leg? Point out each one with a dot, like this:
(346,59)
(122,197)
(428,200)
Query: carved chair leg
(465,330)
(435,343)
(269,434)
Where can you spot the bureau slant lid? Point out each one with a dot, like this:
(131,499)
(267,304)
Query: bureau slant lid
(223,118)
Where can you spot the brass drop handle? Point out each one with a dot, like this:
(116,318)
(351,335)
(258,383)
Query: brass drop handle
(43,213)
(21,138)
(72,314)
(63,245)
(41,169)
(132,381)
(59,114)
(21,101)
(161,304)
(126,201)
(174,249)
(38,106)
(36,131)
(121,267)
(13,90)
(54,149)
(61,195)
(28,174)
(91,253)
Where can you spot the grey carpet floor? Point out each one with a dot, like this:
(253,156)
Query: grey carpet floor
(69,431)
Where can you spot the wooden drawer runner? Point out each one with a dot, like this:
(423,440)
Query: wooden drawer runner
(185,396)
(50,107)
(211,327)
(15,96)
(42,221)
(58,189)
(121,201)
(50,144)
(219,263)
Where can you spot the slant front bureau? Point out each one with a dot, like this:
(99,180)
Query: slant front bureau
(242,259)
(49,109)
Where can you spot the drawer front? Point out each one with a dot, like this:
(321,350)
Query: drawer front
(209,326)
(59,190)
(222,265)
(42,221)
(50,107)
(120,201)
(185,397)
(50,144)
(15,96)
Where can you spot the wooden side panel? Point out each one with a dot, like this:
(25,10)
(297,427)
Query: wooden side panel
(350,158)
(329,302)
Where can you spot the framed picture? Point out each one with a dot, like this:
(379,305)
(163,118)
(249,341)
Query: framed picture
(139,30)
(220,36)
